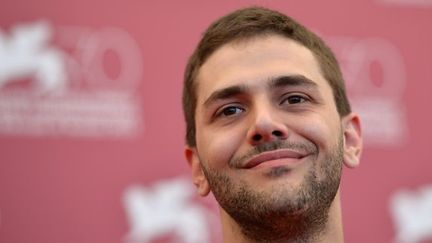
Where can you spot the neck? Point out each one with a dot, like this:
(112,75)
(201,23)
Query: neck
(332,233)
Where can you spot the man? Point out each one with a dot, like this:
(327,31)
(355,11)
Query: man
(268,128)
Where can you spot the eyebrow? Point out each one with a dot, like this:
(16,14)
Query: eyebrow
(226,93)
(276,82)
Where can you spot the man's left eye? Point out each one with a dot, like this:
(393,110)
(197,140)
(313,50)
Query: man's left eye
(294,99)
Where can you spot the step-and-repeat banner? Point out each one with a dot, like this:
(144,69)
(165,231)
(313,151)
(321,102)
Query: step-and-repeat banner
(91,126)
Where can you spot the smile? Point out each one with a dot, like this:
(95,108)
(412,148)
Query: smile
(280,157)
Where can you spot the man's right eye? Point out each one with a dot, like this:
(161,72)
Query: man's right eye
(230,111)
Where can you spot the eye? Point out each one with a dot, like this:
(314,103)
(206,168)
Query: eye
(294,99)
(230,111)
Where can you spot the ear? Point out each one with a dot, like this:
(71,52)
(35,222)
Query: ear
(353,141)
(198,175)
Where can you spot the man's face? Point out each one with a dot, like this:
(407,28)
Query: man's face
(267,129)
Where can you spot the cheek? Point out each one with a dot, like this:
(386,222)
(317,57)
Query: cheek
(216,148)
(322,131)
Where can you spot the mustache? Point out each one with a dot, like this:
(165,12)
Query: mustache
(306,148)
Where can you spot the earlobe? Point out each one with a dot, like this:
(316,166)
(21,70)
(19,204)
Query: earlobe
(353,141)
(198,176)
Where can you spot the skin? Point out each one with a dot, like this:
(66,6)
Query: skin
(243,104)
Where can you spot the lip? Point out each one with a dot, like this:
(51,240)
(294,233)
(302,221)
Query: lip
(274,158)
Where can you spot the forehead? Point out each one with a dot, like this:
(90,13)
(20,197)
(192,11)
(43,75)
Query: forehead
(245,62)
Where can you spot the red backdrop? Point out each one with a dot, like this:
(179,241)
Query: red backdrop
(90,105)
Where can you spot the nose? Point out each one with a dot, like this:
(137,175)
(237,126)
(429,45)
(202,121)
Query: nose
(266,126)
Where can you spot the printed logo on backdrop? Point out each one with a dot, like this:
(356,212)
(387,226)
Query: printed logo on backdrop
(375,77)
(69,81)
(168,211)
(412,215)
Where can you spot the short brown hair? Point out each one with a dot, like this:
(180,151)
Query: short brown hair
(247,23)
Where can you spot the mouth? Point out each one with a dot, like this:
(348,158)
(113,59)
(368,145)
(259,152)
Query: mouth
(280,157)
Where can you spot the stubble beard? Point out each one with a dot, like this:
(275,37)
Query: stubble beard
(282,214)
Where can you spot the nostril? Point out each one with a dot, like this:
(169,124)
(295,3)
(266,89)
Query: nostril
(257,137)
(277,133)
